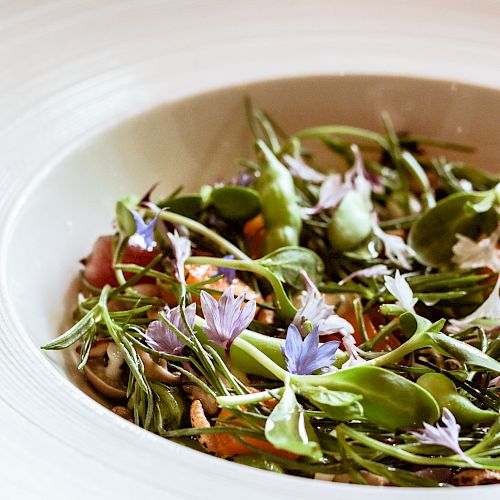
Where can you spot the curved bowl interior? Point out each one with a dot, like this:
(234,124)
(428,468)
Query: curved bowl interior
(198,140)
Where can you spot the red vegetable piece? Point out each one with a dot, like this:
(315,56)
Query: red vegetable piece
(98,268)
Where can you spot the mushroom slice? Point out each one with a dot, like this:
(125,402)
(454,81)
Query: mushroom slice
(210,406)
(158,371)
(473,477)
(104,370)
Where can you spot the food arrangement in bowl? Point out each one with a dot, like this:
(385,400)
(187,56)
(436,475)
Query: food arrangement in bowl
(337,324)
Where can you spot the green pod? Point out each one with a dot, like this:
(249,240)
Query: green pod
(350,224)
(235,202)
(281,212)
(444,391)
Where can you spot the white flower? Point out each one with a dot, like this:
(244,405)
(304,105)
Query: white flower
(367,272)
(495,382)
(401,291)
(490,309)
(315,311)
(300,169)
(181,246)
(396,250)
(349,343)
(469,254)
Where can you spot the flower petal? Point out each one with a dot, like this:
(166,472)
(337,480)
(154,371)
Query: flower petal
(401,291)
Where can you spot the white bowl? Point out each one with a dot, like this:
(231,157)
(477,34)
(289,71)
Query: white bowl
(85,131)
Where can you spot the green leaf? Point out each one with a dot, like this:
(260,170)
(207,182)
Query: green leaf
(189,205)
(259,463)
(434,234)
(171,406)
(76,332)
(235,202)
(339,405)
(288,262)
(124,218)
(461,351)
(288,428)
(386,396)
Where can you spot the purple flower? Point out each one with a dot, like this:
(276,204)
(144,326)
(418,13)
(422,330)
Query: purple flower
(162,339)
(225,318)
(230,274)
(300,169)
(144,233)
(446,436)
(331,193)
(181,247)
(305,357)
(367,272)
(314,310)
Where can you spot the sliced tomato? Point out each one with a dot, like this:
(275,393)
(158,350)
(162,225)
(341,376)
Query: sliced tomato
(98,266)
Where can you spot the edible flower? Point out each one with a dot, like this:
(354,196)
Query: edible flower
(349,343)
(495,382)
(303,357)
(314,310)
(226,318)
(469,254)
(181,247)
(446,436)
(395,248)
(357,176)
(144,233)
(489,310)
(161,338)
(300,169)
(367,272)
(401,291)
(331,193)
(229,274)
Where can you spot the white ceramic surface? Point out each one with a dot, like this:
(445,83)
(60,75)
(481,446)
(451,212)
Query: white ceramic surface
(86,116)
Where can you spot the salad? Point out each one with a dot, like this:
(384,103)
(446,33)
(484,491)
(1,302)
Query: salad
(337,323)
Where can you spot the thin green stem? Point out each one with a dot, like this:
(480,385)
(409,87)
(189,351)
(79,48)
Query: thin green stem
(261,358)
(249,399)
(283,304)
(196,227)
(382,333)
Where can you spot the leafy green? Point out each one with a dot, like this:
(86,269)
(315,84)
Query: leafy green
(434,234)
(339,405)
(288,263)
(288,428)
